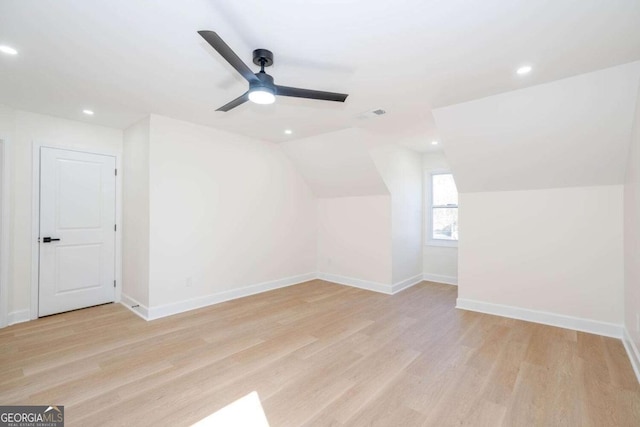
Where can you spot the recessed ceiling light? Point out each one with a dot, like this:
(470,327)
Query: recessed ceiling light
(88,112)
(434,142)
(524,70)
(8,50)
(288,131)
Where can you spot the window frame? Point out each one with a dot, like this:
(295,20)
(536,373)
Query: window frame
(429,240)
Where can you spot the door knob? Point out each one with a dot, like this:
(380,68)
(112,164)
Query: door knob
(49,240)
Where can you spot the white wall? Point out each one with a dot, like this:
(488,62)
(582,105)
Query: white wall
(632,237)
(135,227)
(348,169)
(438,262)
(23,128)
(557,251)
(354,238)
(540,173)
(7,120)
(226,212)
(401,170)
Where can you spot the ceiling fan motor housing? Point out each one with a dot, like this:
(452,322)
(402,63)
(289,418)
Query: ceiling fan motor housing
(264,81)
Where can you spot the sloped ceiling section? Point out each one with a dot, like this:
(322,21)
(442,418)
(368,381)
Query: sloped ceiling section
(337,164)
(571,132)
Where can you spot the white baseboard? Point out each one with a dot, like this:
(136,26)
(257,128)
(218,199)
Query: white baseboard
(192,304)
(447,280)
(133,305)
(632,351)
(371,286)
(552,319)
(18,317)
(404,284)
(151,313)
(357,283)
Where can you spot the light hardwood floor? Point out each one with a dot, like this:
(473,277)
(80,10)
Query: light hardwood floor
(320,354)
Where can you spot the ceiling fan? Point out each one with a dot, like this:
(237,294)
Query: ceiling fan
(262,90)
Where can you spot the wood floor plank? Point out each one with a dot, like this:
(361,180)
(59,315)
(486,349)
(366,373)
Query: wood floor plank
(319,354)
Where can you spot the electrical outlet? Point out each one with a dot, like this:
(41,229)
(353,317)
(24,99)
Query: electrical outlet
(189,282)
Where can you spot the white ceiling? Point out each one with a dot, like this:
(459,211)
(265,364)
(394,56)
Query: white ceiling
(125,59)
(570,132)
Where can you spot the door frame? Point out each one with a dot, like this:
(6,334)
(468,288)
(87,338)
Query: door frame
(4,232)
(35,216)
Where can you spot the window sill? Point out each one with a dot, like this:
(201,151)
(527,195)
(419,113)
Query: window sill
(442,243)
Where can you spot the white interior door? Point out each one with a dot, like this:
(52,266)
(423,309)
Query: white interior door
(77,206)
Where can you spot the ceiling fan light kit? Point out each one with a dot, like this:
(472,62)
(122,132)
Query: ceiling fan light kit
(262,96)
(262,89)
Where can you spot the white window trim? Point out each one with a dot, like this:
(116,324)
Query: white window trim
(429,241)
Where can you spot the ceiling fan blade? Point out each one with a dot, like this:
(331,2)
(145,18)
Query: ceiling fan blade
(233,104)
(310,94)
(228,54)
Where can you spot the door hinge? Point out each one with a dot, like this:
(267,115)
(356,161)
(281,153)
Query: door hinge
(116,170)
(114,283)
(115,227)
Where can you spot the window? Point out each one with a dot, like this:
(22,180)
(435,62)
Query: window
(443,218)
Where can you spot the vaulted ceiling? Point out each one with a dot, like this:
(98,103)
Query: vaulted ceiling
(125,59)
(571,132)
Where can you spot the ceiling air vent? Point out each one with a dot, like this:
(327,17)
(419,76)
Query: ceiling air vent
(370,114)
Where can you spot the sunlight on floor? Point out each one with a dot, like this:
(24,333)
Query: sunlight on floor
(246,412)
